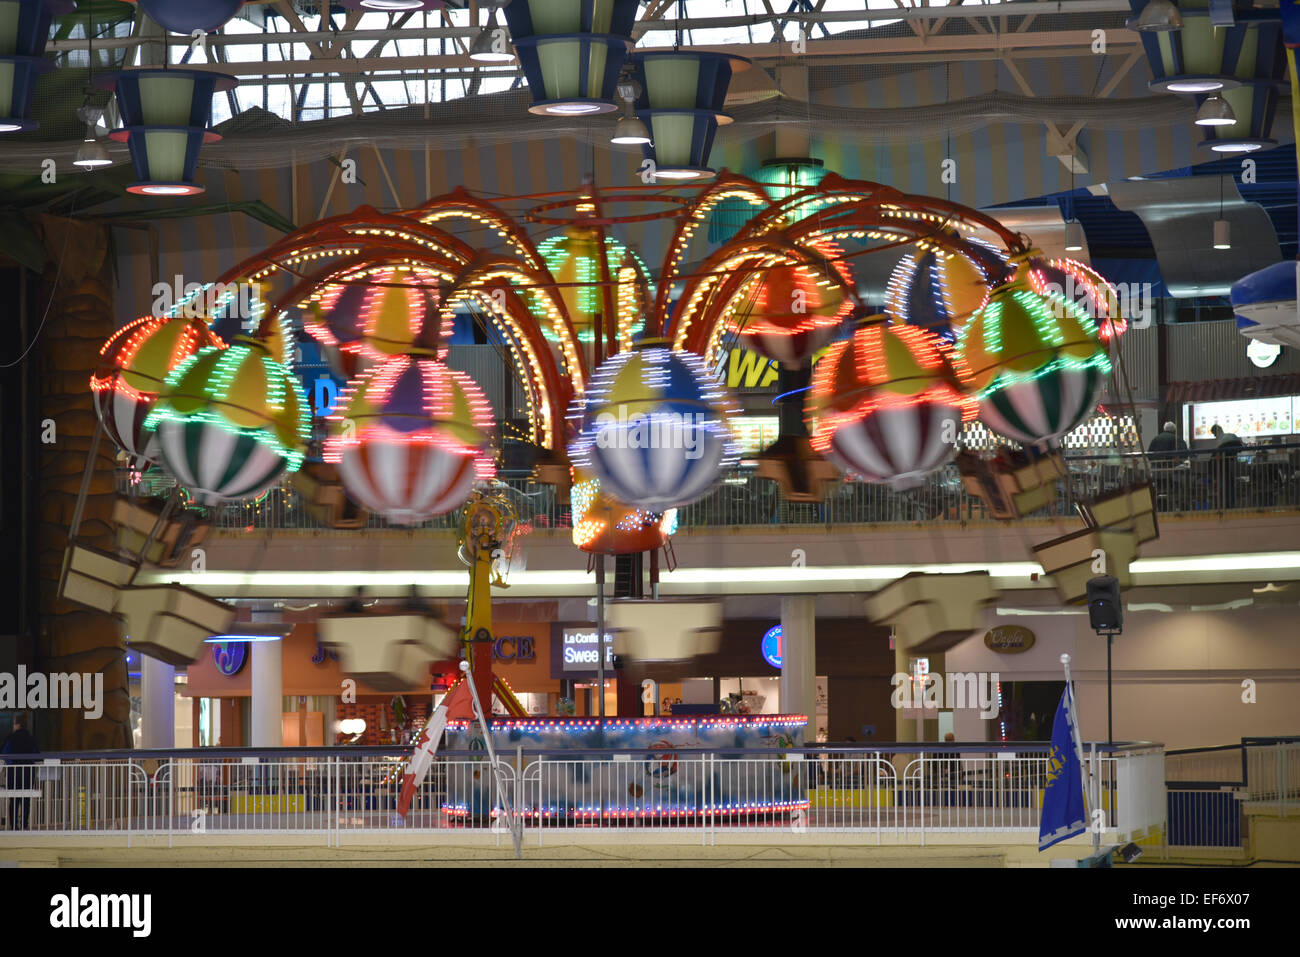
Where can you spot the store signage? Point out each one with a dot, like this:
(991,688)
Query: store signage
(748,370)
(514,648)
(773,646)
(1247,418)
(578,650)
(1009,639)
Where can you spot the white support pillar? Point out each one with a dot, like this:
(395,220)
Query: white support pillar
(158,704)
(799,659)
(268,701)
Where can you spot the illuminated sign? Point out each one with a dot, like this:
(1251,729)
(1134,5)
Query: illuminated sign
(578,650)
(749,370)
(773,646)
(1247,418)
(514,648)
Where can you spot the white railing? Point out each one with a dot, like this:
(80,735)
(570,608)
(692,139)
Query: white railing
(935,797)
(1273,774)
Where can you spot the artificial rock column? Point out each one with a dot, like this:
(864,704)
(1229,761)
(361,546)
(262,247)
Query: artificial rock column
(77,298)
(268,694)
(799,659)
(158,703)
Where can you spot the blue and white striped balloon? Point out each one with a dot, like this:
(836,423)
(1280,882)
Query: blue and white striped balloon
(653,428)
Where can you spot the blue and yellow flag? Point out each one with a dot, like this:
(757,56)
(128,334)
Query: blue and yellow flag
(1064,814)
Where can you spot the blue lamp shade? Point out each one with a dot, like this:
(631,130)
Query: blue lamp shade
(573,74)
(685,80)
(186,16)
(25,25)
(1254,105)
(17,84)
(165,115)
(1204,58)
(549,18)
(681,141)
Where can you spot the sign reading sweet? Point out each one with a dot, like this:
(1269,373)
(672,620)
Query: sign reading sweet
(1009,639)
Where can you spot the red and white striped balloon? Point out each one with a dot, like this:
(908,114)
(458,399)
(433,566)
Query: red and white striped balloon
(411,438)
(888,404)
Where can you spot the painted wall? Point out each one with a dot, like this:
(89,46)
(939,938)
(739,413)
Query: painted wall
(1178,676)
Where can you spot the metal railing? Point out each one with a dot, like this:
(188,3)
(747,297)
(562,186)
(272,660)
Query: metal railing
(1182,482)
(906,793)
(1206,789)
(1273,771)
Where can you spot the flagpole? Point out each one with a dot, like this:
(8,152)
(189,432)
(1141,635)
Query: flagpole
(1078,750)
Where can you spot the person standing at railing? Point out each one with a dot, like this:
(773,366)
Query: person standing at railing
(19,775)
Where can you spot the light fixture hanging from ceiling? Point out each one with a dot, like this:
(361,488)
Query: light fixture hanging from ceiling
(1222,232)
(24,28)
(187,16)
(629,131)
(165,115)
(492,45)
(1215,111)
(1073,236)
(683,92)
(572,52)
(1158,16)
(1073,228)
(92,154)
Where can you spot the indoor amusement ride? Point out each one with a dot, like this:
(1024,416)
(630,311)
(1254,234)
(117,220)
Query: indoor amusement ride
(612,400)
(605,355)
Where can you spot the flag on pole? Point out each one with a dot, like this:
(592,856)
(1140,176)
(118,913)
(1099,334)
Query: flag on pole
(422,757)
(1064,814)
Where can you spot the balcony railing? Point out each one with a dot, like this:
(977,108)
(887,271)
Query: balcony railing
(1182,482)
(901,793)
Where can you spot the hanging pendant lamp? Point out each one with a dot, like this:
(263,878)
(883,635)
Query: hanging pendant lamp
(165,115)
(24,28)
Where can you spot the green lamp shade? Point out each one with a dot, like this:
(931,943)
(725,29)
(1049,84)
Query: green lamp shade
(681,141)
(685,80)
(17,84)
(574,74)
(541,18)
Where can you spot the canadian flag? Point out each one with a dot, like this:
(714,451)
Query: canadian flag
(418,766)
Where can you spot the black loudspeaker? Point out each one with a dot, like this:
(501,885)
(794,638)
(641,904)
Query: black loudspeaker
(1105,611)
